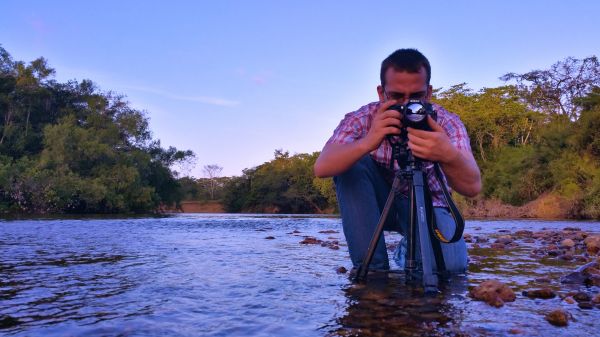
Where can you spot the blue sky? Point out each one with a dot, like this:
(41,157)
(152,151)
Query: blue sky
(235,80)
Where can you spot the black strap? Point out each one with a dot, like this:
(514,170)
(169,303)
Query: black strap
(436,246)
(454,212)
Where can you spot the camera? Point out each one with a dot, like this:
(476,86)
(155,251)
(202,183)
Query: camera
(414,114)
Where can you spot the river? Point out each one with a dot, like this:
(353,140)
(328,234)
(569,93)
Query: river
(248,275)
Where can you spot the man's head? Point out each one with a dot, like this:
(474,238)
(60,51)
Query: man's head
(405,74)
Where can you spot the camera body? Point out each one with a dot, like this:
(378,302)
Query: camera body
(414,114)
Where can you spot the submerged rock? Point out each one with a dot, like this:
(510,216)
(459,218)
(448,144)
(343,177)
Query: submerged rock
(8,321)
(493,292)
(269,238)
(544,293)
(341,270)
(558,317)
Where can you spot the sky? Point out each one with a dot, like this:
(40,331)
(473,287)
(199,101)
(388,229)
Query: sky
(235,80)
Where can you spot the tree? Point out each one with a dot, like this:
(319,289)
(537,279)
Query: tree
(554,91)
(212,172)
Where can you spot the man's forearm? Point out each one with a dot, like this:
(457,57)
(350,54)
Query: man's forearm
(463,174)
(337,158)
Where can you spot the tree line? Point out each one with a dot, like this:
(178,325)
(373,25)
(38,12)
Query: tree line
(70,148)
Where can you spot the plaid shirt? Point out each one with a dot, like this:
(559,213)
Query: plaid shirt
(355,125)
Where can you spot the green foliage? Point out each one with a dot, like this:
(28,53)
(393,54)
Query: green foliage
(284,185)
(66,147)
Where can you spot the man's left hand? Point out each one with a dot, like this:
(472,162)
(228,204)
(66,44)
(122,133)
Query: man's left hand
(433,145)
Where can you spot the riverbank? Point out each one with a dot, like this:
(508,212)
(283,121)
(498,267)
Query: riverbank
(548,207)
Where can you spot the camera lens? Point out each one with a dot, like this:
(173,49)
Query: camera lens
(415,112)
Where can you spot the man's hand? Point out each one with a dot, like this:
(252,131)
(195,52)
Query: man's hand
(433,145)
(385,122)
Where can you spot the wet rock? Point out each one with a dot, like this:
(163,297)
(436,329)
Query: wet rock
(505,239)
(493,292)
(544,293)
(8,321)
(341,270)
(558,317)
(329,231)
(543,280)
(497,245)
(582,297)
(468,238)
(524,233)
(592,244)
(569,300)
(596,299)
(309,240)
(572,229)
(585,305)
(515,331)
(567,243)
(269,238)
(481,239)
(566,256)
(554,252)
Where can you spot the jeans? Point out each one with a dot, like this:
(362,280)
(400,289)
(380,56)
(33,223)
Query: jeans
(362,192)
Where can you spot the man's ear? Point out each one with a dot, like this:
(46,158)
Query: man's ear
(429,92)
(381,93)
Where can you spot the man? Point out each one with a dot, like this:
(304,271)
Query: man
(358,157)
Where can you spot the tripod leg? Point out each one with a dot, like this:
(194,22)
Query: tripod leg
(363,269)
(430,280)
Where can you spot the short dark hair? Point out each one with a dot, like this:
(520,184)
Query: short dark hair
(409,60)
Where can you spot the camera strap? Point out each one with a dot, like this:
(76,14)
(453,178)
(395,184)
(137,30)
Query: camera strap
(454,211)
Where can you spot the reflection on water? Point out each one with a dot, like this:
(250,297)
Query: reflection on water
(387,306)
(226,275)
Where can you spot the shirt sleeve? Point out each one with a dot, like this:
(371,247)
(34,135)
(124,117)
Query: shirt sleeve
(456,131)
(354,126)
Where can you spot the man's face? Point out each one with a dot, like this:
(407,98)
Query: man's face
(402,86)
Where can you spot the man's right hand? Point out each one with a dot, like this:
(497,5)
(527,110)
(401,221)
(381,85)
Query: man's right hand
(385,122)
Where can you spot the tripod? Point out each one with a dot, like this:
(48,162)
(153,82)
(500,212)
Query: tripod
(421,218)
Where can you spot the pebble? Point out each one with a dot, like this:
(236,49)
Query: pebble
(558,317)
(544,293)
(309,240)
(493,292)
(567,243)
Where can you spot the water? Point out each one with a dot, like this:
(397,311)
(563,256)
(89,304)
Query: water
(220,275)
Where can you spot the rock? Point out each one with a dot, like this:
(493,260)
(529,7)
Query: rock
(8,321)
(515,331)
(269,238)
(585,305)
(505,239)
(567,243)
(497,245)
(558,317)
(569,300)
(543,280)
(341,270)
(544,293)
(493,292)
(582,297)
(309,240)
(566,256)
(468,238)
(524,233)
(329,231)
(596,299)
(592,244)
